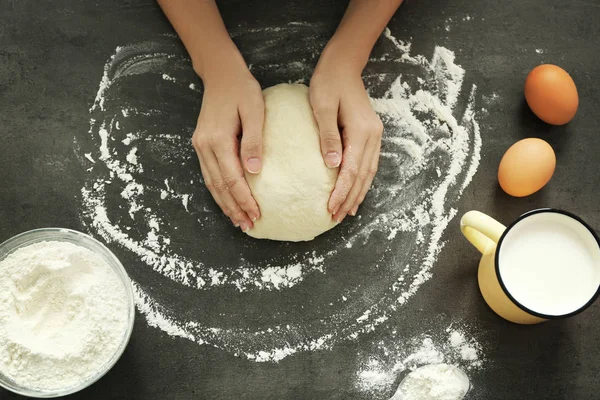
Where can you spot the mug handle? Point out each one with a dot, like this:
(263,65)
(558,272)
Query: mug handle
(481,230)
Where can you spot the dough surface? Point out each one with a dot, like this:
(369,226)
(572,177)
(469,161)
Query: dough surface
(294,185)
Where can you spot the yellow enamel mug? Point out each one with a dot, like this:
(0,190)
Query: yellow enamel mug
(545,265)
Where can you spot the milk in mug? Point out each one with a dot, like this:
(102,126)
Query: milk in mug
(550,264)
(545,265)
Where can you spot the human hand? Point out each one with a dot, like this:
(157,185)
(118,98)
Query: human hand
(340,104)
(232,105)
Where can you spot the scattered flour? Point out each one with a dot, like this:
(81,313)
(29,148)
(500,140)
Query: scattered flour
(383,367)
(132,157)
(63,315)
(430,152)
(89,157)
(451,22)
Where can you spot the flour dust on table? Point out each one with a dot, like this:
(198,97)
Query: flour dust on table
(387,362)
(145,196)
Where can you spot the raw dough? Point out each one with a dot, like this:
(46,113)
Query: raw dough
(294,185)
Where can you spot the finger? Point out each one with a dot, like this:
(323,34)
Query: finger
(217,186)
(239,216)
(351,161)
(237,187)
(331,142)
(350,205)
(371,171)
(252,118)
(207,163)
(350,201)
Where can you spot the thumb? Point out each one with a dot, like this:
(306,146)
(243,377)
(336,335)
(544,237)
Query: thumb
(252,119)
(331,142)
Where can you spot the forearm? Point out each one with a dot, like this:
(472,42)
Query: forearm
(359,29)
(202,31)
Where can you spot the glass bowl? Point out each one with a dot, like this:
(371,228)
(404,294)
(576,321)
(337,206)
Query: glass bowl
(80,239)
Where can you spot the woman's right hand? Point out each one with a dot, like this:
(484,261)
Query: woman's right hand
(232,105)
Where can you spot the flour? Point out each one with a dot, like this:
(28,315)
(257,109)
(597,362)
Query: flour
(451,23)
(63,315)
(383,366)
(433,382)
(132,157)
(430,152)
(89,157)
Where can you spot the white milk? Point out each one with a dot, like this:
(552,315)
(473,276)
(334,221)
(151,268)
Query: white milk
(550,263)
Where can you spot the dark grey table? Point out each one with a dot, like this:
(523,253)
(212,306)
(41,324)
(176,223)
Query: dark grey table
(51,60)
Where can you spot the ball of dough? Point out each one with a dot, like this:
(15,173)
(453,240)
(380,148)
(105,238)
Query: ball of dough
(294,186)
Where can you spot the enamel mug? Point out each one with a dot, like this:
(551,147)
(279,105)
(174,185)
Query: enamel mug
(545,265)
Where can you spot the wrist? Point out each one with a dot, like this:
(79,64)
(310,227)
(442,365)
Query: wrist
(342,55)
(219,62)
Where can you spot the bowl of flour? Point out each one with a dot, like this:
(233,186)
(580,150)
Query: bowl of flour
(66,312)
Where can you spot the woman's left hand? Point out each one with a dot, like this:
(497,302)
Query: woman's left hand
(350,132)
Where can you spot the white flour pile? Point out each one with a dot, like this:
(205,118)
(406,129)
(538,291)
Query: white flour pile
(383,367)
(433,382)
(144,184)
(63,315)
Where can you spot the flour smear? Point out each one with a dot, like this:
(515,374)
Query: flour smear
(145,196)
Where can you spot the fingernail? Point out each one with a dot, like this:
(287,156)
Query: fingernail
(245,227)
(236,224)
(339,219)
(254,218)
(354,211)
(333,159)
(253,165)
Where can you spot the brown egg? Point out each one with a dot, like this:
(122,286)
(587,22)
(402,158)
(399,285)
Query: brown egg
(551,94)
(526,167)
